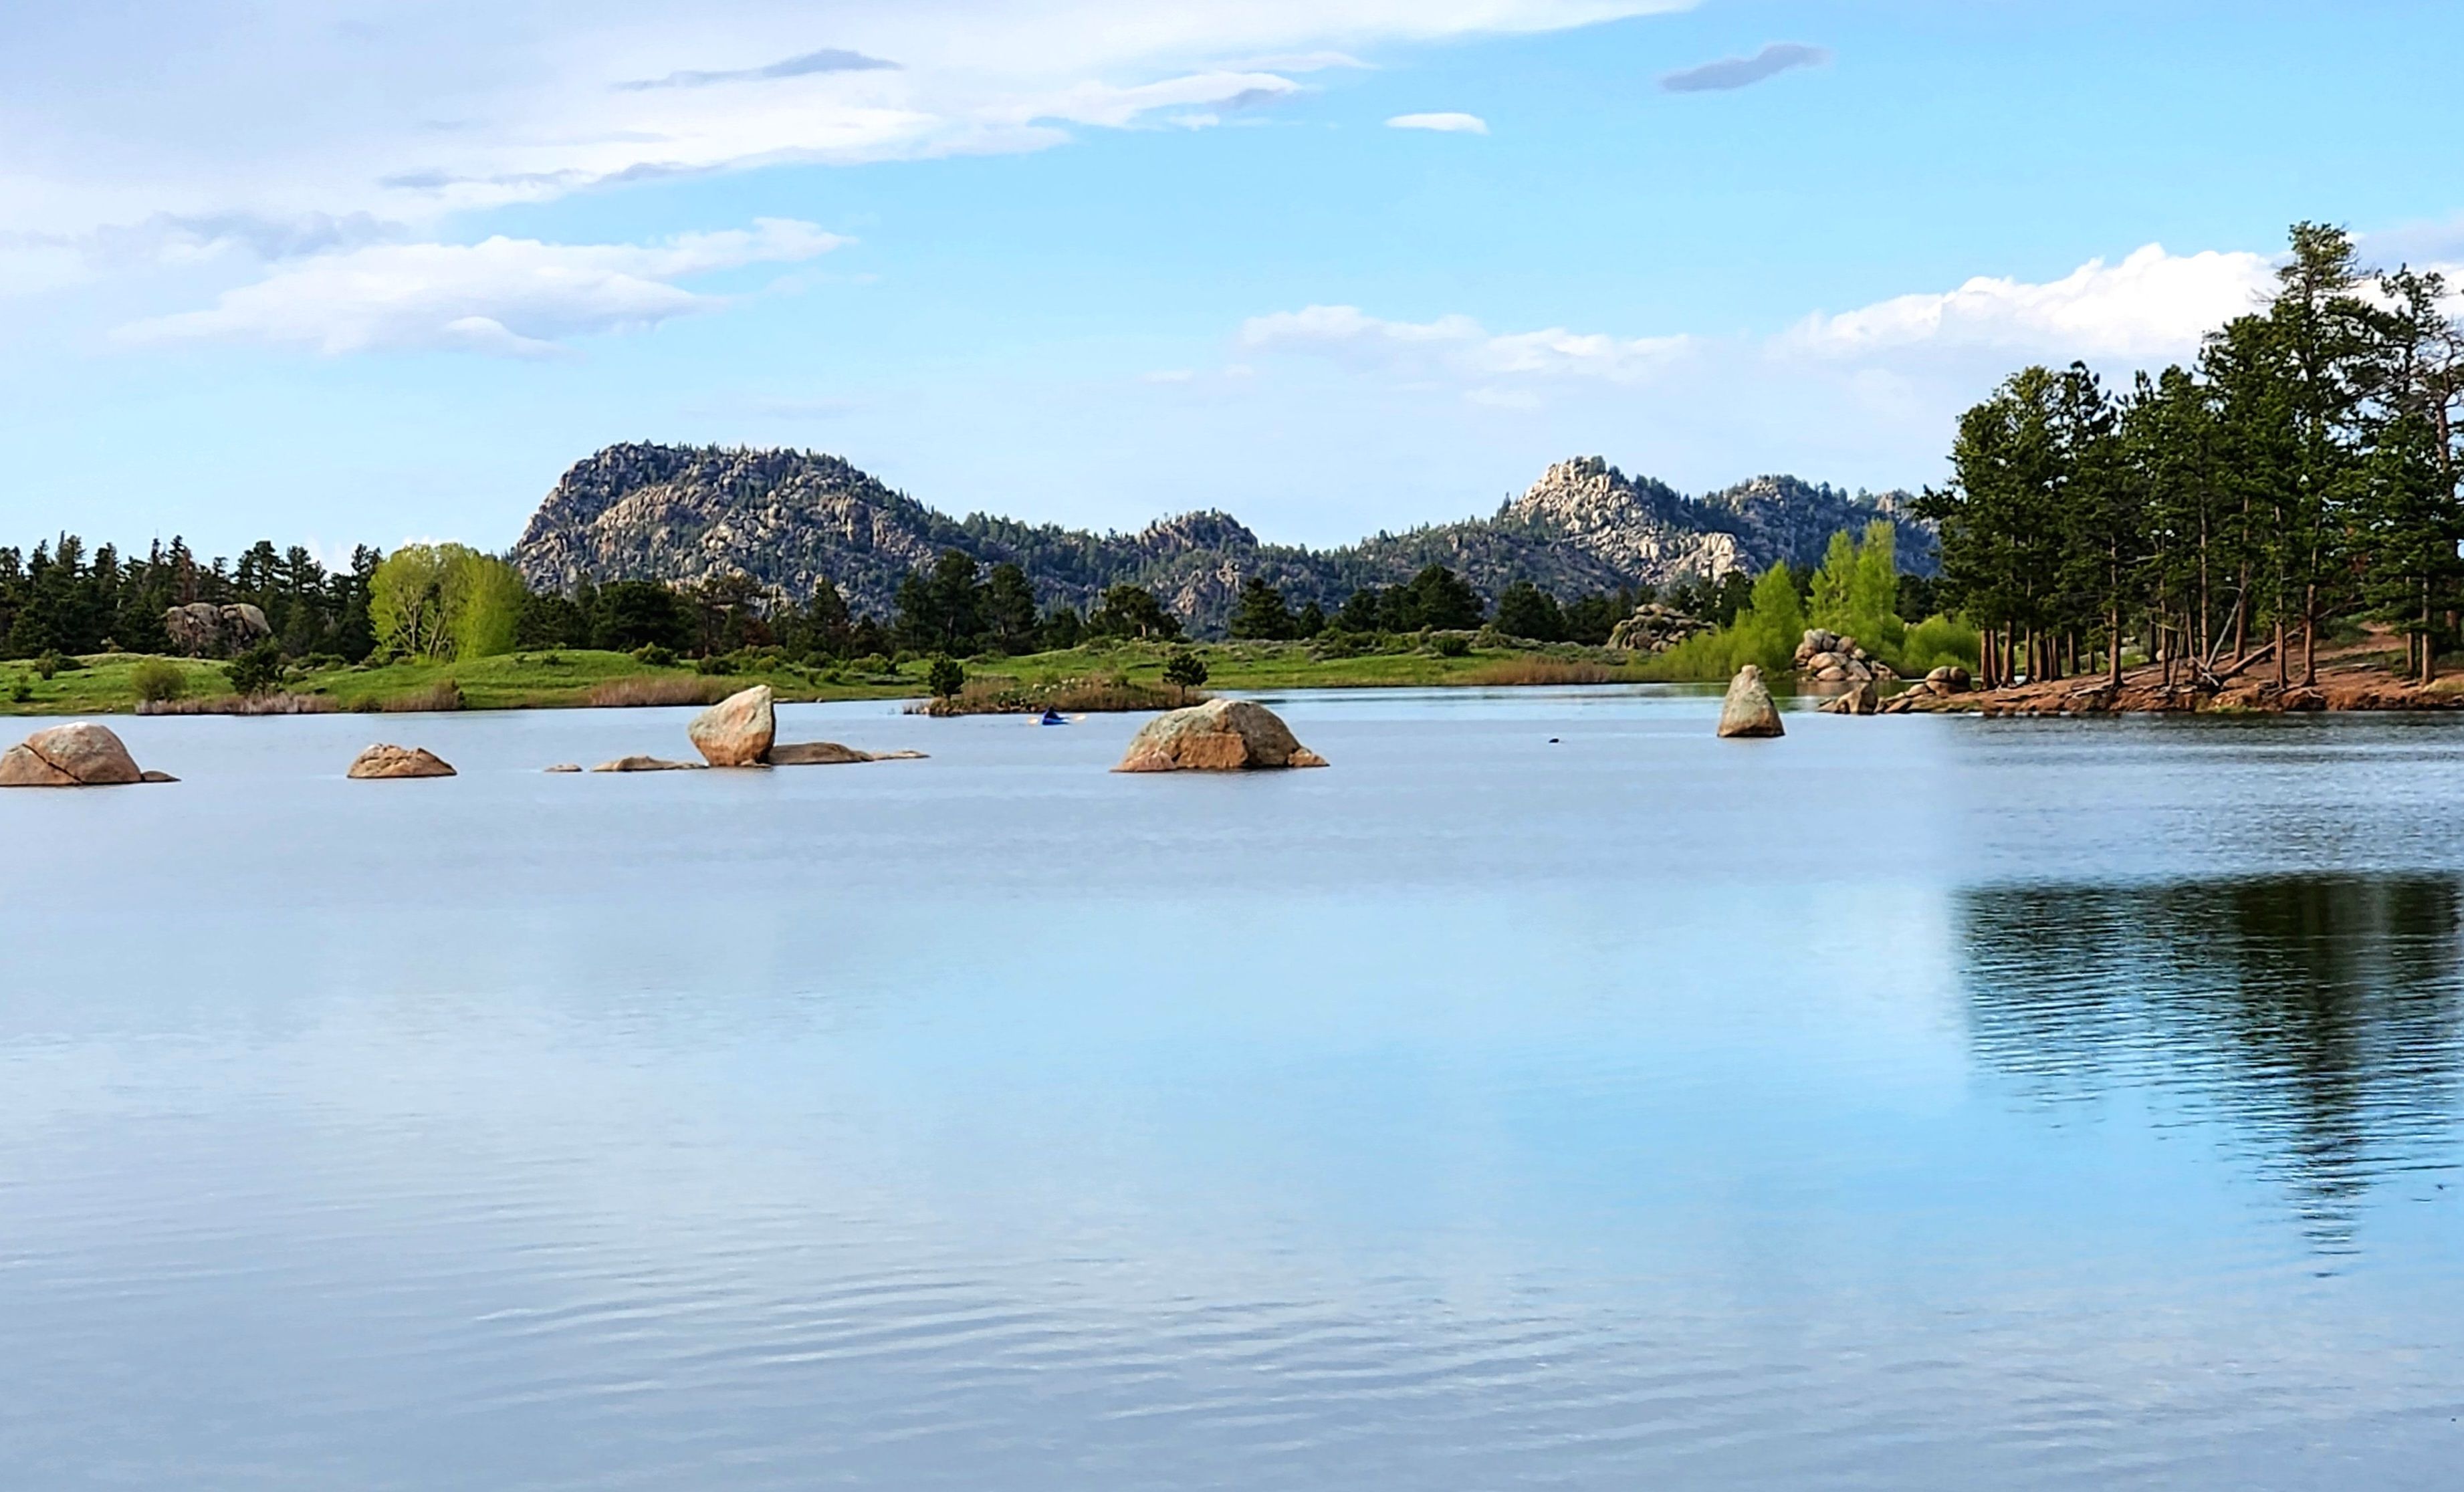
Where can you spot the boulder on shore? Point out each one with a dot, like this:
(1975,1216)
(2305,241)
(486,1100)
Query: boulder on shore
(78,754)
(737,731)
(1747,713)
(1860,699)
(1219,736)
(380,764)
(203,630)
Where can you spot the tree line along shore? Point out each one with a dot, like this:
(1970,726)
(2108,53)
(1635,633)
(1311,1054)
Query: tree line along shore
(445,627)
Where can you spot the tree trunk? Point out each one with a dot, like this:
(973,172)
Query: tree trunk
(2280,679)
(2310,637)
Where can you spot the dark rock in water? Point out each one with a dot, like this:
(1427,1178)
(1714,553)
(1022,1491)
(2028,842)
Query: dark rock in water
(76,755)
(384,763)
(1219,736)
(566,766)
(1747,713)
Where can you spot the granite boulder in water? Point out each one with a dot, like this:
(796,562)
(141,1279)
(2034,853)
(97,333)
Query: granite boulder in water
(737,731)
(1219,736)
(1747,713)
(380,764)
(78,754)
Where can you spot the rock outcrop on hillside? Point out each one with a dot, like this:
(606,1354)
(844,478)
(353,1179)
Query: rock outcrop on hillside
(791,519)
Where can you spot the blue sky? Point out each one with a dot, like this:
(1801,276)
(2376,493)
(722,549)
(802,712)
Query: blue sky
(372,269)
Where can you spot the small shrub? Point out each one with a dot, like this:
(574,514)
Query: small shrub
(945,678)
(656,656)
(157,680)
(257,671)
(48,665)
(22,689)
(715,666)
(1184,671)
(1451,645)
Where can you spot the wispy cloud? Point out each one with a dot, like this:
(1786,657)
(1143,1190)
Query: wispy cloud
(830,59)
(1442,124)
(1745,72)
(1459,346)
(503,296)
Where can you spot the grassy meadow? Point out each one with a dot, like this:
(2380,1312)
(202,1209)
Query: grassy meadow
(572,678)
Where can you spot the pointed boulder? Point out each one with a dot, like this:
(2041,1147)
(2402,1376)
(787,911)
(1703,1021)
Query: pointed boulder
(1748,712)
(737,731)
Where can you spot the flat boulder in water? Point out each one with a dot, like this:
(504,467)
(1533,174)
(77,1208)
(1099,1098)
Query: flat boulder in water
(737,731)
(382,763)
(830,754)
(1219,736)
(1747,713)
(646,764)
(78,754)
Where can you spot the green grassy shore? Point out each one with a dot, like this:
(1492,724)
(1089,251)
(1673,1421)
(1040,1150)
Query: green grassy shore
(106,683)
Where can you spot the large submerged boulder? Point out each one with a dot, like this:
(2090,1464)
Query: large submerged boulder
(830,754)
(646,764)
(78,754)
(1748,712)
(383,762)
(737,731)
(1219,736)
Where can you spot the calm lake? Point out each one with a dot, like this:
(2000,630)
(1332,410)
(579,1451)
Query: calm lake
(1908,1102)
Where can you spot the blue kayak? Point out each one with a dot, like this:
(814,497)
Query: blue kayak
(1052,718)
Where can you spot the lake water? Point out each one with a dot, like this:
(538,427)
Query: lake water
(1545,1095)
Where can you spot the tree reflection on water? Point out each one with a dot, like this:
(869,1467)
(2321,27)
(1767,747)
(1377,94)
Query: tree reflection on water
(2317,1017)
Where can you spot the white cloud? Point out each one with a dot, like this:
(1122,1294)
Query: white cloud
(505,297)
(408,110)
(1442,124)
(2154,304)
(1869,394)
(1461,347)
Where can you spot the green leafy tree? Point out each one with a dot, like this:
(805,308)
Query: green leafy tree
(483,598)
(407,602)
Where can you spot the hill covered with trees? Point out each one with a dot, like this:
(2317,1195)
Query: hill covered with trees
(791,521)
